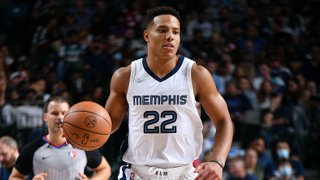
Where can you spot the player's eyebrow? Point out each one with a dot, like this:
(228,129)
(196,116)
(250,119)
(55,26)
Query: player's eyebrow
(165,26)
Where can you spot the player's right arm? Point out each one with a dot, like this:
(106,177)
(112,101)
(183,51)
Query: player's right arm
(116,104)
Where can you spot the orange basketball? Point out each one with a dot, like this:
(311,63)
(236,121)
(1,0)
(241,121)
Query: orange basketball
(87,125)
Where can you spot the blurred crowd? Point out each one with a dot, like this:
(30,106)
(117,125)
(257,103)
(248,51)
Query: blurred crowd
(264,57)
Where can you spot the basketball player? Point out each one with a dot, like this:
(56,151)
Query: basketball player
(50,157)
(162,93)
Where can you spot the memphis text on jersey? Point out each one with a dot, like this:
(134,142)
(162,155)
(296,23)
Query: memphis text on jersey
(160,100)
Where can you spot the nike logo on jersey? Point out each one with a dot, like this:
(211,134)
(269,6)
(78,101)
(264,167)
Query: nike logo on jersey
(139,80)
(45,157)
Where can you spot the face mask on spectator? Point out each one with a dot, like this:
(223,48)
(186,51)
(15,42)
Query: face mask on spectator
(283,153)
(285,171)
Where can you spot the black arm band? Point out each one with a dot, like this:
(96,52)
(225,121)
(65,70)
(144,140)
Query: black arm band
(218,162)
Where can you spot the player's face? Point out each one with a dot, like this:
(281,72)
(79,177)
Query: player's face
(55,115)
(7,158)
(163,36)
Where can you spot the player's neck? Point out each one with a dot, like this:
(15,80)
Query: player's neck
(160,66)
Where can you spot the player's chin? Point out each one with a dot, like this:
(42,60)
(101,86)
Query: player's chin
(168,55)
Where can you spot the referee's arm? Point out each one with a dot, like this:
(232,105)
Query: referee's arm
(16,175)
(103,171)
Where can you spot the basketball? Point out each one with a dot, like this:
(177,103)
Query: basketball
(87,125)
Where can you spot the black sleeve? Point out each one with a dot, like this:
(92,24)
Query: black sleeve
(24,161)
(94,158)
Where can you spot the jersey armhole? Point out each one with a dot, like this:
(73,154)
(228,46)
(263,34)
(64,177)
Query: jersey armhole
(190,86)
(189,79)
(131,79)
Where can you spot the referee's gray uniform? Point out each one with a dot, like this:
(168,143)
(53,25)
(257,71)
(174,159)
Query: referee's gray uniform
(60,162)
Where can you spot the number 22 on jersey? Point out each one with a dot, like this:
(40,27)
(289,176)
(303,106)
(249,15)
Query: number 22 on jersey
(166,119)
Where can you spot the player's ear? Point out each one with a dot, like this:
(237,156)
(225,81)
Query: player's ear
(146,36)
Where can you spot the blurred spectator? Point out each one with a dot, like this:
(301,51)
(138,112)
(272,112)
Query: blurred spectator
(266,125)
(134,13)
(315,130)
(279,71)
(311,67)
(238,105)
(291,97)
(70,56)
(221,76)
(312,87)
(253,44)
(224,19)
(216,45)
(69,24)
(262,75)
(297,102)
(272,45)
(265,159)
(251,164)
(247,89)
(200,23)
(99,95)
(82,14)
(136,45)
(197,44)
(101,18)
(113,47)
(237,170)
(45,34)
(28,117)
(6,59)
(208,139)
(212,66)
(3,84)
(9,153)
(6,118)
(267,98)
(288,165)
(285,171)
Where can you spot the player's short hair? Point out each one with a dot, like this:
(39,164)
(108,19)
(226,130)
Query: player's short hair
(59,99)
(160,10)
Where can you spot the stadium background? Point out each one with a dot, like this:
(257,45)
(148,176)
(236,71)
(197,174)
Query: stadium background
(264,57)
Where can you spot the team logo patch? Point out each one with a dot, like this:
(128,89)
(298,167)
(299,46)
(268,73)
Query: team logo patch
(72,154)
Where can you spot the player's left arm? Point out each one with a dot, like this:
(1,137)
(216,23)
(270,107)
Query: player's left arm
(216,108)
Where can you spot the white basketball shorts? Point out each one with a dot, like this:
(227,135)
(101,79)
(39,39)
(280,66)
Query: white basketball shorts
(138,172)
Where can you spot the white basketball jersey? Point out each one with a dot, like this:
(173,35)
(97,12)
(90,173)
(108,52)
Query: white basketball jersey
(165,129)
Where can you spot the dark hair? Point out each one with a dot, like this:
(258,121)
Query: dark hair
(59,99)
(160,10)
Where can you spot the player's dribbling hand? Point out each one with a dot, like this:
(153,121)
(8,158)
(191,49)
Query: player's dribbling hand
(208,171)
(40,176)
